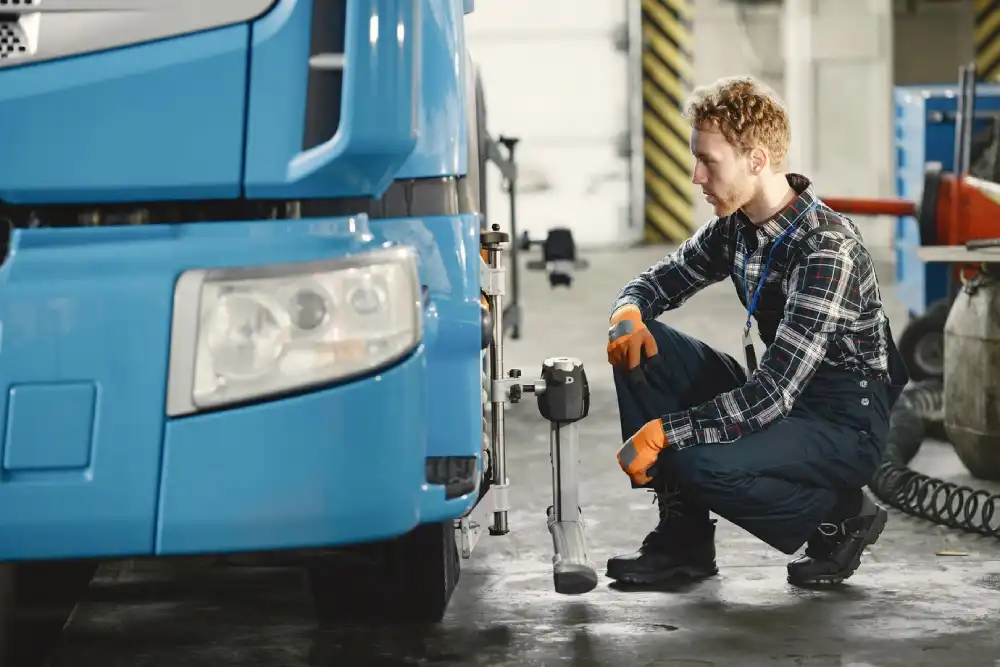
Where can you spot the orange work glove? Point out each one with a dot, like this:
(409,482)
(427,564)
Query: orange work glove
(627,338)
(640,452)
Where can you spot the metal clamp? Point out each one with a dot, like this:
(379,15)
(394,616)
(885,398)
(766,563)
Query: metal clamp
(493,281)
(511,389)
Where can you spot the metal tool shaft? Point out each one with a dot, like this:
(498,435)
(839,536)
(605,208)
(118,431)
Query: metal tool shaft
(498,448)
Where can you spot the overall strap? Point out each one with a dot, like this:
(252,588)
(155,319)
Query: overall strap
(899,375)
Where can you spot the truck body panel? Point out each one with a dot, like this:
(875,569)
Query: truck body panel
(441,149)
(334,465)
(375,97)
(304,471)
(92,464)
(120,125)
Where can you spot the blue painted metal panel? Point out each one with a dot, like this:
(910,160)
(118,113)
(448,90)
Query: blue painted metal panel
(398,99)
(449,256)
(441,149)
(85,312)
(50,426)
(379,116)
(287,474)
(153,122)
(919,141)
(92,305)
(912,275)
(326,468)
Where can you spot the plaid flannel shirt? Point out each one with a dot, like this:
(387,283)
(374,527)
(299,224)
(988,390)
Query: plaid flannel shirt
(833,311)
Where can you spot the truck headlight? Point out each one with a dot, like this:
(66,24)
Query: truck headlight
(244,333)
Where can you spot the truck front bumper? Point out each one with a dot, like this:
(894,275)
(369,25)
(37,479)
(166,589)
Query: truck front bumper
(91,466)
(332,467)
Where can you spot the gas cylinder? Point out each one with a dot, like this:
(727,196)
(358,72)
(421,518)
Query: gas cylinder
(972,374)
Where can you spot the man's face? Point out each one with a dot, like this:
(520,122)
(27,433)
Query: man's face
(724,175)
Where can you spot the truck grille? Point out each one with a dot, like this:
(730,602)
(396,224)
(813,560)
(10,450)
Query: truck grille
(18,28)
(13,41)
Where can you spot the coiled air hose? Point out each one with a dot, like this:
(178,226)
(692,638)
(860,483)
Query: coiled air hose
(917,414)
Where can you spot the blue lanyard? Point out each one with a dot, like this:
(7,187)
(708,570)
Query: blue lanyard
(752,304)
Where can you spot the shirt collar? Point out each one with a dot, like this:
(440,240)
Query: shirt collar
(778,223)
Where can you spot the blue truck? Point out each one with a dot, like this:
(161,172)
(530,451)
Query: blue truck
(249,304)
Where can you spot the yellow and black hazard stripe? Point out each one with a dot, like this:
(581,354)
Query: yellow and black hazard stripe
(987,39)
(667,73)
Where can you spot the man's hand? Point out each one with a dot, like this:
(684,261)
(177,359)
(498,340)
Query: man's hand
(640,452)
(628,338)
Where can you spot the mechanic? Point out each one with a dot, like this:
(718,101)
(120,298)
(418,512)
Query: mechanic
(782,448)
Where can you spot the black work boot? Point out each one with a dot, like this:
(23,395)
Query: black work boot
(680,547)
(833,553)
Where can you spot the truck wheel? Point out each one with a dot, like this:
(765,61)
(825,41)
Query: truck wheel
(406,580)
(922,343)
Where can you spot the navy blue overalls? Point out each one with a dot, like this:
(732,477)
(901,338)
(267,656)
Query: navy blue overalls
(779,483)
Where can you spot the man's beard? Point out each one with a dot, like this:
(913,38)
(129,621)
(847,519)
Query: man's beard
(736,198)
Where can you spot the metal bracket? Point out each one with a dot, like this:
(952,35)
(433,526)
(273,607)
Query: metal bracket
(512,389)
(493,281)
(469,528)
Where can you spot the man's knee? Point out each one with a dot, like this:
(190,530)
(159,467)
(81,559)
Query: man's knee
(672,346)
(701,470)
(686,372)
(695,368)
(670,342)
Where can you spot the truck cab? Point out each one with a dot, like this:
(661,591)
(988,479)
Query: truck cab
(241,287)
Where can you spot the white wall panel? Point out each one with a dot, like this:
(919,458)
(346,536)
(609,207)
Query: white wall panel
(554,79)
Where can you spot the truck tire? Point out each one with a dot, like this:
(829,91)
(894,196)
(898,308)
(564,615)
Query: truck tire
(406,580)
(922,343)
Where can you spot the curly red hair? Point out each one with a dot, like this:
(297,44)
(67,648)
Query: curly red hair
(746,112)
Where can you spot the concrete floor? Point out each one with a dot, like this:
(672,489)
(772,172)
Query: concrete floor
(907,605)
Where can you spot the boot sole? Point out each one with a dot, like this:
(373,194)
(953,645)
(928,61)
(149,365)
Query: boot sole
(871,537)
(686,573)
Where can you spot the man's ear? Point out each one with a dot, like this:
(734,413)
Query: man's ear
(758,160)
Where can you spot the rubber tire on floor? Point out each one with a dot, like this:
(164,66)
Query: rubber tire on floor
(406,580)
(931,323)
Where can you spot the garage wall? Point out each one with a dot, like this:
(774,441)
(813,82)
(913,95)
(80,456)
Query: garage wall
(850,131)
(731,39)
(931,40)
(554,78)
